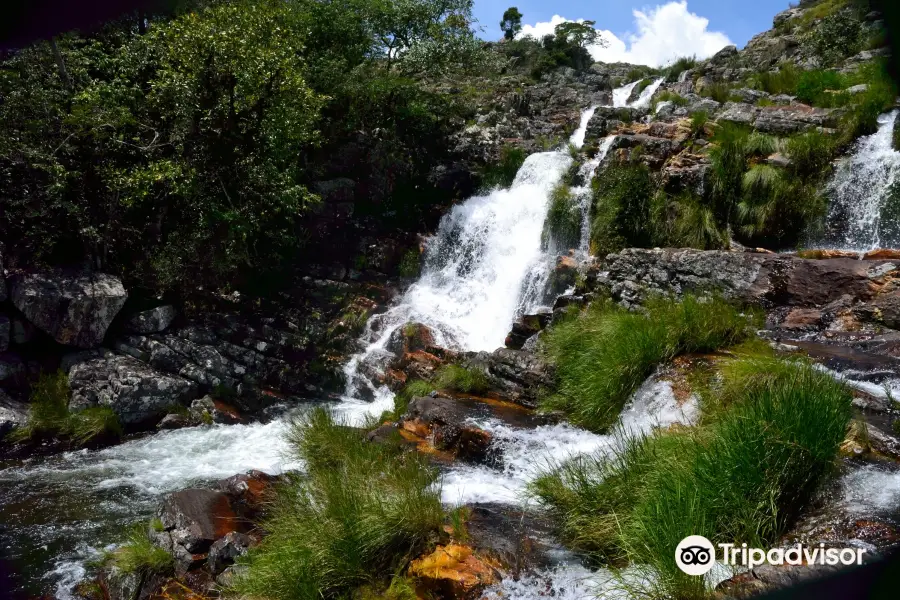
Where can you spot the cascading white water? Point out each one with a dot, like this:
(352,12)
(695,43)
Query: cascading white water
(643,100)
(621,95)
(483,268)
(865,194)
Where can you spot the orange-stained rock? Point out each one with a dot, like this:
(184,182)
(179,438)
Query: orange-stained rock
(824,254)
(802,318)
(453,571)
(882,254)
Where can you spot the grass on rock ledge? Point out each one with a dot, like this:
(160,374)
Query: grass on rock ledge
(138,555)
(770,434)
(604,354)
(49,415)
(360,513)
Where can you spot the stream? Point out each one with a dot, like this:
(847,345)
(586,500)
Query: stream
(483,268)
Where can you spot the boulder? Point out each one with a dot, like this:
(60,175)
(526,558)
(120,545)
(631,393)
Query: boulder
(525,327)
(151,321)
(13,414)
(75,310)
(515,375)
(195,518)
(227,548)
(412,337)
(445,421)
(137,393)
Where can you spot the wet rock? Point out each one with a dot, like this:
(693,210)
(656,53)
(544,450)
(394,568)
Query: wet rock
(249,492)
(445,421)
(802,318)
(208,410)
(174,421)
(13,414)
(137,393)
(225,550)
(195,518)
(564,275)
(75,310)
(412,337)
(119,585)
(525,327)
(515,375)
(453,571)
(151,321)
(888,306)
(882,254)
(768,578)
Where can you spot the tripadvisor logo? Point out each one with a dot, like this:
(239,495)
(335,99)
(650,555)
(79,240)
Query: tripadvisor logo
(696,555)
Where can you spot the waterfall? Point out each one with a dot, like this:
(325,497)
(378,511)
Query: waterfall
(643,100)
(865,194)
(483,268)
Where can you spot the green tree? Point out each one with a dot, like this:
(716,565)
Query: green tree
(511,23)
(581,34)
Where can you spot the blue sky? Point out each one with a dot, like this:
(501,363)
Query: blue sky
(739,20)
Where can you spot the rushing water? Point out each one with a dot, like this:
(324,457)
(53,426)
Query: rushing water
(864,211)
(483,267)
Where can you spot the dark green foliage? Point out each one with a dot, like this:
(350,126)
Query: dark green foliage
(511,23)
(744,475)
(811,154)
(836,37)
(603,356)
(818,87)
(667,96)
(183,156)
(502,173)
(462,379)
(562,229)
(622,195)
(358,515)
(698,122)
(410,264)
(778,207)
(685,221)
(49,415)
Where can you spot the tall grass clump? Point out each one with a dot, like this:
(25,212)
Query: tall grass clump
(743,476)
(502,173)
(674,71)
(781,81)
(360,514)
(49,416)
(462,379)
(603,355)
(139,555)
(720,92)
(621,216)
(562,229)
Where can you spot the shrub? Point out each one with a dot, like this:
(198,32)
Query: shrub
(698,122)
(674,71)
(360,513)
(720,92)
(778,208)
(410,264)
(502,173)
(743,475)
(562,229)
(811,154)
(817,87)
(49,415)
(782,81)
(694,225)
(462,379)
(138,555)
(605,354)
(836,37)
(621,203)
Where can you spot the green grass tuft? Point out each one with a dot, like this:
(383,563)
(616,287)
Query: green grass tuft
(49,415)
(462,379)
(603,356)
(743,475)
(139,555)
(360,513)
(502,173)
(562,229)
(412,389)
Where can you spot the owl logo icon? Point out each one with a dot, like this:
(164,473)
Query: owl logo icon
(695,555)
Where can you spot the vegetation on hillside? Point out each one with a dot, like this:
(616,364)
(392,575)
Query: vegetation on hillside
(604,354)
(181,151)
(360,513)
(769,434)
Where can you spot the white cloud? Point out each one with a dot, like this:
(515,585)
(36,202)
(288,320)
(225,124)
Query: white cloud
(663,33)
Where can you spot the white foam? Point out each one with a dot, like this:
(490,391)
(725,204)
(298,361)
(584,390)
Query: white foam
(860,190)
(577,138)
(525,453)
(643,100)
(871,489)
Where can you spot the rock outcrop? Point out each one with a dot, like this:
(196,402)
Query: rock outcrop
(153,320)
(75,310)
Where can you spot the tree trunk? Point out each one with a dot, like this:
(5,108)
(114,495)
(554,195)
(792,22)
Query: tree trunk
(61,65)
